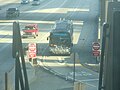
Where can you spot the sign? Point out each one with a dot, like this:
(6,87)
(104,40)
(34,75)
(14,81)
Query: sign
(96,46)
(96,49)
(32,50)
(96,53)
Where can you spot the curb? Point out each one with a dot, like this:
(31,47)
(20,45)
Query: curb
(93,67)
(53,71)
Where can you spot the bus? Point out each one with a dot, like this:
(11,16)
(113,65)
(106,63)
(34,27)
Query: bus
(61,37)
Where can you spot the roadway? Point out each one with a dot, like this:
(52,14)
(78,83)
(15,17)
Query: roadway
(84,15)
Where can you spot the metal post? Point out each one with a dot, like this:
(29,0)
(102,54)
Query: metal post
(105,26)
(74,69)
(17,54)
(96,60)
(6,81)
(20,75)
(22,59)
(16,74)
(102,11)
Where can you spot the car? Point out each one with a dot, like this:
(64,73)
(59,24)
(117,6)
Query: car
(25,1)
(30,30)
(12,12)
(36,2)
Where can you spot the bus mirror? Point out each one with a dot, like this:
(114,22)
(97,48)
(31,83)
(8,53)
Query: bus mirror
(47,37)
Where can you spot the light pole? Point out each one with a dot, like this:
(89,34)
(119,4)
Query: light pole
(74,68)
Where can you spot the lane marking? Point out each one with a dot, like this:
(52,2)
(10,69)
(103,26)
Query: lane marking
(34,21)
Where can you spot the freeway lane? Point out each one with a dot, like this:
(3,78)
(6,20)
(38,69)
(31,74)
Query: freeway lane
(6,60)
(86,10)
(47,81)
(53,64)
(88,34)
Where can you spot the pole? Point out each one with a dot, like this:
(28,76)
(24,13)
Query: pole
(96,60)
(16,72)
(105,26)
(74,69)
(6,81)
(17,53)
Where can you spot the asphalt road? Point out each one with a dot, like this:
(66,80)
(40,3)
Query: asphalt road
(86,11)
(48,81)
